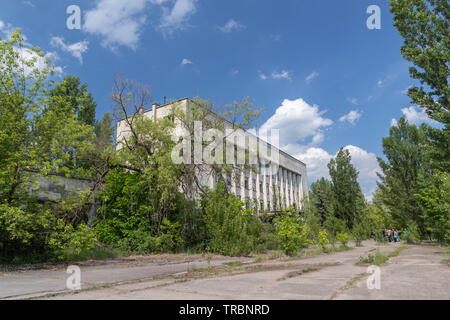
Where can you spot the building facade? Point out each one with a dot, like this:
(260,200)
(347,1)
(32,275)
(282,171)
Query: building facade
(267,190)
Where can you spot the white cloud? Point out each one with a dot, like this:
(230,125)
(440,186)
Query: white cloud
(175,19)
(382,82)
(313,75)
(353,101)
(186,61)
(75,49)
(28,3)
(231,25)
(302,129)
(118,22)
(393,122)
(416,117)
(234,72)
(351,117)
(39,62)
(27,54)
(281,75)
(297,121)
(262,76)
(366,163)
(6,29)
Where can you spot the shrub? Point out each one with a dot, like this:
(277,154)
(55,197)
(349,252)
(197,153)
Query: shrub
(232,230)
(413,233)
(343,238)
(292,234)
(323,239)
(359,233)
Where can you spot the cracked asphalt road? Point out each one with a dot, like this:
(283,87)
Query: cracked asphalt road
(416,273)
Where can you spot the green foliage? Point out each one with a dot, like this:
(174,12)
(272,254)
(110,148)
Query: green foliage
(292,232)
(231,229)
(424,25)
(376,259)
(322,198)
(343,238)
(413,235)
(323,239)
(78,98)
(348,199)
(334,226)
(434,198)
(360,232)
(41,234)
(404,151)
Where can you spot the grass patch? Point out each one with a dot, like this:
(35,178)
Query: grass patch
(350,284)
(377,259)
(234,263)
(397,251)
(298,273)
(446,261)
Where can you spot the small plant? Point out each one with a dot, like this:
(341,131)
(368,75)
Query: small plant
(343,238)
(323,239)
(377,259)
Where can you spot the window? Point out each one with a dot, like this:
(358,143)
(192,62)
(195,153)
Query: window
(261,187)
(246,183)
(254,184)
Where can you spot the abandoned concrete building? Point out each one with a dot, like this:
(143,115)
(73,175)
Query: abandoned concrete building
(283,187)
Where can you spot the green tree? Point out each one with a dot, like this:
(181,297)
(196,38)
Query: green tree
(405,159)
(434,198)
(78,97)
(425,27)
(322,198)
(348,199)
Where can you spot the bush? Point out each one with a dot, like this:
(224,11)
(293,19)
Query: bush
(232,230)
(413,235)
(323,239)
(343,238)
(28,235)
(291,233)
(360,233)
(268,239)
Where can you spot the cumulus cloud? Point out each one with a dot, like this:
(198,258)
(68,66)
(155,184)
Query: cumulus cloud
(75,49)
(231,25)
(297,121)
(351,117)
(302,129)
(366,163)
(118,22)
(416,117)
(313,75)
(175,19)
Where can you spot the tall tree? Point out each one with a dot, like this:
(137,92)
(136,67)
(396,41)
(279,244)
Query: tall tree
(348,198)
(425,27)
(322,198)
(33,135)
(405,159)
(79,98)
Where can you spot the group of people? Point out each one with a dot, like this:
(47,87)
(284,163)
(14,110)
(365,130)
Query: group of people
(392,235)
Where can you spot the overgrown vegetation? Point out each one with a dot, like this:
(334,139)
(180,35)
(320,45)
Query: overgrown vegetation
(148,204)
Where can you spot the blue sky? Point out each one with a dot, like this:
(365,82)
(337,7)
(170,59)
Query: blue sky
(324,79)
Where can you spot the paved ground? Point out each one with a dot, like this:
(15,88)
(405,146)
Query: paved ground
(417,273)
